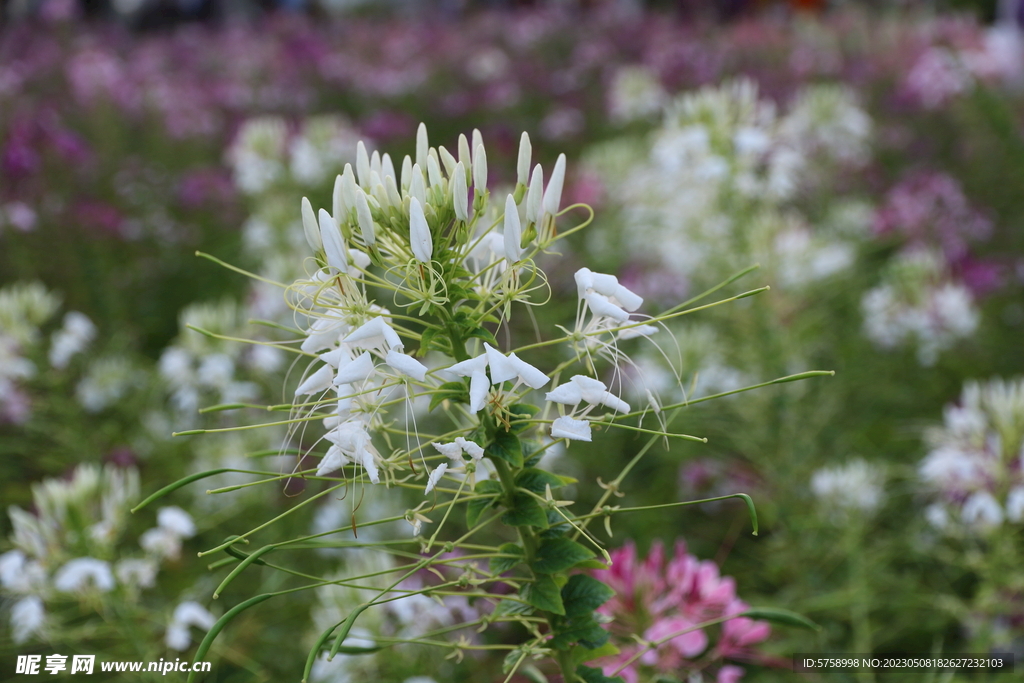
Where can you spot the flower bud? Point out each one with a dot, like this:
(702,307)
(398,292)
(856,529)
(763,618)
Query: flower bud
(362,165)
(421,145)
(480,169)
(553,193)
(448,161)
(535,195)
(417,188)
(338,208)
(464,154)
(310,227)
(419,232)
(386,167)
(433,170)
(523,165)
(513,231)
(375,162)
(406,172)
(460,193)
(334,245)
(365,218)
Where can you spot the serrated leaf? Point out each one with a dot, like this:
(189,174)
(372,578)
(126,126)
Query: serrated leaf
(583,654)
(543,594)
(590,675)
(525,511)
(506,447)
(583,630)
(583,594)
(519,414)
(456,392)
(500,565)
(558,554)
(536,480)
(780,616)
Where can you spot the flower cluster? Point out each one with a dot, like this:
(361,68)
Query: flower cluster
(918,304)
(65,550)
(666,601)
(853,488)
(976,463)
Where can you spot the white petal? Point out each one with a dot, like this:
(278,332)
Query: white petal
(435,477)
(174,519)
(478,388)
(362,165)
(501,367)
(419,232)
(568,394)
(360,259)
(627,298)
(601,306)
(387,167)
(568,428)
(449,450)
(465,156)
(535,195)
(358,370)
(592,390)
(417,188)
(480,169)
(318,381)
(337,357)
(513,231)
(584,281)
(374,333)
(638,331)
(334,245)
(434,171)
(553,193)
(470,448)
(422,144)
(333,461)
(530,376)
(614,402)
(407,365)
(367,460)
(602,283)
(467,368)
(310,227)
(191,613)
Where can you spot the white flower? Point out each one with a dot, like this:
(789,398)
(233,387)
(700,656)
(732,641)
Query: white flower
(419,232)
(375,334)
(136,572)
(319,381)
(357,370)
(177,521)
(76,334)
(461,445)
(435,477)
(81,573)
(567,428)
(351,443)
(28,617)
(470,448)
(854,486)
(1015,504)
(583,388)
(982,511)
(161,543)
(185,615)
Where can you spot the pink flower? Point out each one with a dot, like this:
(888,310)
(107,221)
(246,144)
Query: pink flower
(729,674)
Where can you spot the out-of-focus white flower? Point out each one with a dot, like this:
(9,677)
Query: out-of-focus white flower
(106,381)
(71,339)
(635,93)
(856,486)
(136,572)
(982,510)
(84,573)
(176,520)
(185,615)
(28,618)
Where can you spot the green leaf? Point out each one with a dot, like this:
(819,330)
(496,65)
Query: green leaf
(457,392)
(583,654)
(511,607)
(519,414)
(533,674)
(559,554)
(525,511)
(482,333)
(511,659)
(780,616)
(532,453)
(590,675)
(506,447)
(557,526)
(500,565)
(543,594)
(583,630)
(475,508)
(536,480)
(583,594)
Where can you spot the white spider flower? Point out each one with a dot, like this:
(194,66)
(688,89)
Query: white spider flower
(528,374)
(177,521)
(334,244)
(569,428)
(78,574)
(435,477)
(319,381)
(407,365)
(479,384)
(28,618)
(452,451)
(982,510)
(353,444)
(419,232)
(501,367)
(310,227)
(513,231)
(137,572)
(470,448)
(75,335)
(185,615)
(161,543)
(455,449)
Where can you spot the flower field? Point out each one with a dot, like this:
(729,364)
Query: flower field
(547,344)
